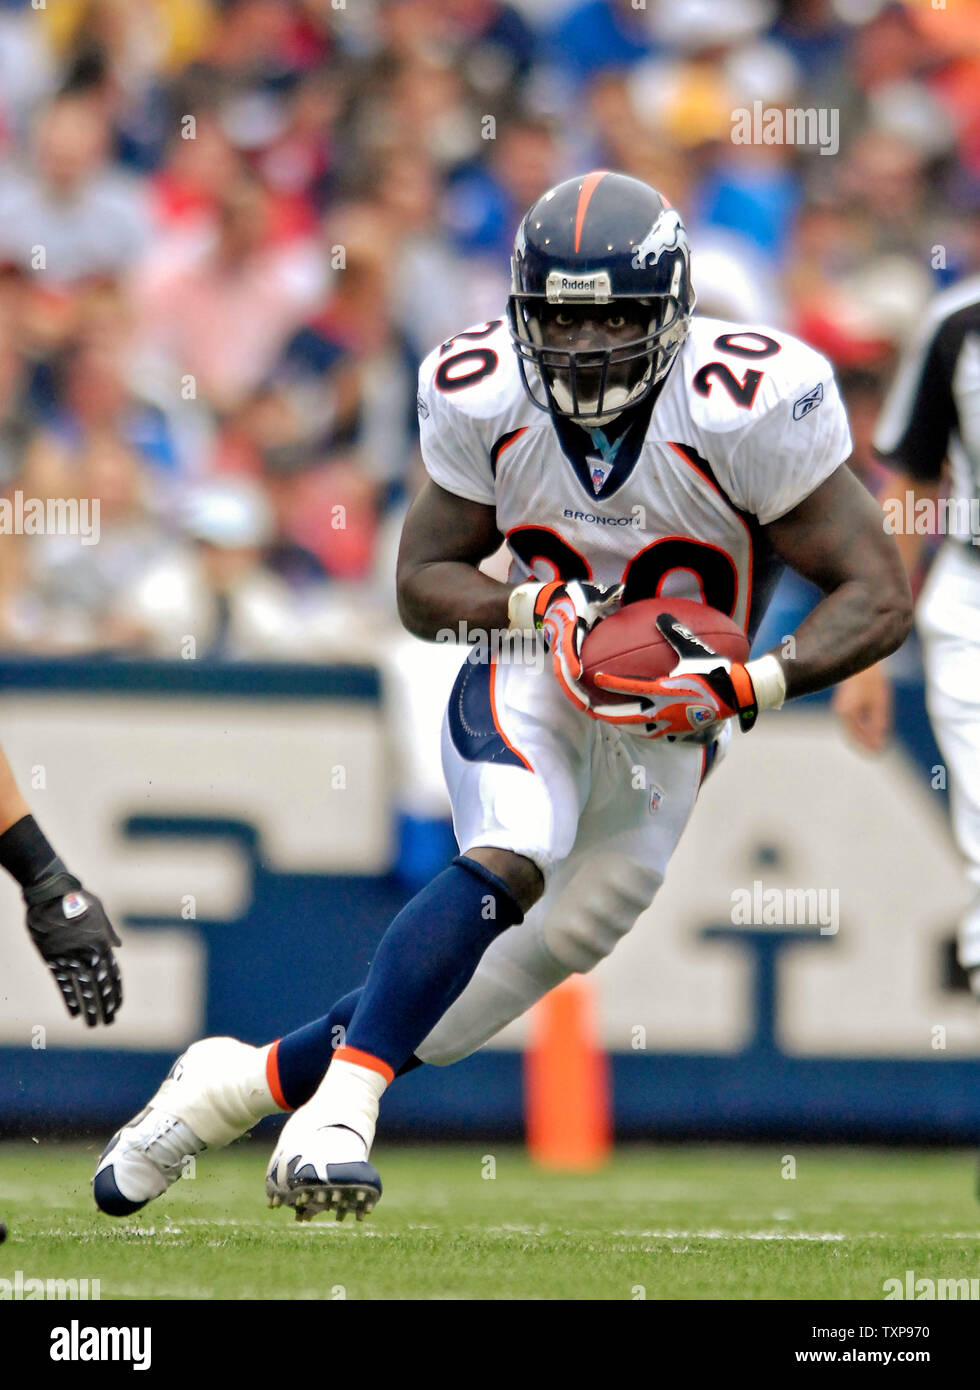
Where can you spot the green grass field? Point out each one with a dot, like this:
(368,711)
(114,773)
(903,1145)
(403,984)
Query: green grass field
(688,1222)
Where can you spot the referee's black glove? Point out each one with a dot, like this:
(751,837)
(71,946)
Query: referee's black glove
(69,927)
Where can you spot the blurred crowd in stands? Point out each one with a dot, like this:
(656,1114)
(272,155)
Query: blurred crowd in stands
(230,229)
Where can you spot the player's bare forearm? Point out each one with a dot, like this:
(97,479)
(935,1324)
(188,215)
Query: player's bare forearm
(439,583)
(849,630)
(441,596)
(837,539)
(13,807)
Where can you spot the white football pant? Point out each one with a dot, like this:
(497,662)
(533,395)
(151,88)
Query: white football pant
(598,811)
(948,620)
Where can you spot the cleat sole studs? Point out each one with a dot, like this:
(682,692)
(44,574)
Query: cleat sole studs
(308,1202)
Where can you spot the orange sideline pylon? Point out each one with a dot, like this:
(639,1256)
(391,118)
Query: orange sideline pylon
(567,1108)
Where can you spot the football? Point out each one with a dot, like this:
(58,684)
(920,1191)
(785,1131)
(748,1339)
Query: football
(629,643)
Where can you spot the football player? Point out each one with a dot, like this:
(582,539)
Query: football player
(67,924)
(932,414)
(622,448)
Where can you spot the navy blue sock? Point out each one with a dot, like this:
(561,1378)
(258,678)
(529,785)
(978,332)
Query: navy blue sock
(302,1057)
(427,957)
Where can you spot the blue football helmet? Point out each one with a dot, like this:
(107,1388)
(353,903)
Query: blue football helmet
(601,296)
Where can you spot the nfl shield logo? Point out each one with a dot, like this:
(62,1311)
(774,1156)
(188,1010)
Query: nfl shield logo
(73,905)
(600,470)
(656,797)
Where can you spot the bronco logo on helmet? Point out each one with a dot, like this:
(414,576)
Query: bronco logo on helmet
(666,234)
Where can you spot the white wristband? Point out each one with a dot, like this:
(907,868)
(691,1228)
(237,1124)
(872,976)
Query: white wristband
(520,606)
(768,681)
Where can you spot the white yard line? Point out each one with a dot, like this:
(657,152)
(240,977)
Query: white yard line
(192,1225)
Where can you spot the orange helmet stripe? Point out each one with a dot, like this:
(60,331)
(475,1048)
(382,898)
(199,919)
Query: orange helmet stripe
(589,185)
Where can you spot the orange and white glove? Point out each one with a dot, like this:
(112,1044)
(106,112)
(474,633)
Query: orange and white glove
(564,611)
(700,692)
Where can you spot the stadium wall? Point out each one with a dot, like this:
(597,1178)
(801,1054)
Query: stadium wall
(240,823)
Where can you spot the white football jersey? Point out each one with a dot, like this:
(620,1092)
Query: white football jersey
(748,423)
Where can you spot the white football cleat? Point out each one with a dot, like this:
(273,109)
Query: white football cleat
(318,1167)
(213,1093)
